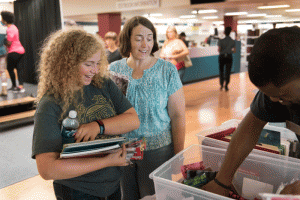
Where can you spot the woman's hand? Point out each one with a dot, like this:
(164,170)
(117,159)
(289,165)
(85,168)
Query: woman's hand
(118,158)
(87,132)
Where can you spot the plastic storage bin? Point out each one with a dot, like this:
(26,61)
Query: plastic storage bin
(203,140)
(279,197)
(257,174)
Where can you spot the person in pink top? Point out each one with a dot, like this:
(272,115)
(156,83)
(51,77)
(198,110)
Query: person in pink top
(15,50)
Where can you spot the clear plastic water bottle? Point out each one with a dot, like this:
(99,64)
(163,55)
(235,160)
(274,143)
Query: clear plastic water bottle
(69,127)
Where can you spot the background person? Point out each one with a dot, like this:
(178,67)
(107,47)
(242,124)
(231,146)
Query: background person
(15,50)
(111,41)
(174,50)
(156,93)
(74,76)
(273,68)
(3,54)
(226,47)
(182,36)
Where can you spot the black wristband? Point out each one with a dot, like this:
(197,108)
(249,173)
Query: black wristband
(102,127)
(222,185)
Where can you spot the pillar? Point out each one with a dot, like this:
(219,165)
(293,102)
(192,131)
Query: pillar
(109,22)
(230,21)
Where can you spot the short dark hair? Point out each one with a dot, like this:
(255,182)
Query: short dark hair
(7,16)
(182,34)
(125,44)
(275,57)
(227,30)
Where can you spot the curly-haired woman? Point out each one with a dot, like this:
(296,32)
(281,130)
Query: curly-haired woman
(73,76)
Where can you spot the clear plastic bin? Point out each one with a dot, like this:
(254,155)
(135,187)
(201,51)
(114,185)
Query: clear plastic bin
(203,140)
(257,169)
(266,196)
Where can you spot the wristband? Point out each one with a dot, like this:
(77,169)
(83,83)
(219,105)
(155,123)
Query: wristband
(222,185)
(102,127)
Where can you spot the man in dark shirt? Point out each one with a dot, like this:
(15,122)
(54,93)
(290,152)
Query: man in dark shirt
(226,48)
(274,67)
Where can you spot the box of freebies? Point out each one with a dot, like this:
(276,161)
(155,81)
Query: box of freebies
(257,176)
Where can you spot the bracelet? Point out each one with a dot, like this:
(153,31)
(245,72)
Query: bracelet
(222,185)
(102,127)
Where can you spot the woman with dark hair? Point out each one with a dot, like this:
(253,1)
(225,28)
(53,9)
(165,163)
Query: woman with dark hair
(15,50)
(156,93)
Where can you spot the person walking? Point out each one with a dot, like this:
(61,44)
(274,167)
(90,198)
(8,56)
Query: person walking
(226,48)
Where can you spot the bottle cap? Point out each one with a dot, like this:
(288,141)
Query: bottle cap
(72,114)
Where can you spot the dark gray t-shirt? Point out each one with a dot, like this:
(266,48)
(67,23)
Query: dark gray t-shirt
(265,109)
(113,56)
(226,45)
(97,104)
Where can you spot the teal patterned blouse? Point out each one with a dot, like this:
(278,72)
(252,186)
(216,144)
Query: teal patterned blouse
(149,96)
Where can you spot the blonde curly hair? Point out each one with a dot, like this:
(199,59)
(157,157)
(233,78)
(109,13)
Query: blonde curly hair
(60,60)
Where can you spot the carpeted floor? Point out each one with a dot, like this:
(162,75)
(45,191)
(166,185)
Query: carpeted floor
(15,155)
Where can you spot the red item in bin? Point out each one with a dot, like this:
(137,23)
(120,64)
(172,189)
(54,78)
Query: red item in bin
(193,166)
(221,136)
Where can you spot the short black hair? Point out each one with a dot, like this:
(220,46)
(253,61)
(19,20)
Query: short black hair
(7,16)
(182,34)
(275,57)
(125,44)
(227,30)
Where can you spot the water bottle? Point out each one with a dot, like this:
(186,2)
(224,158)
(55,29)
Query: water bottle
(69,127)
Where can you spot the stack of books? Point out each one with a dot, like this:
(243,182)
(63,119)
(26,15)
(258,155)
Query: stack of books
(104,145)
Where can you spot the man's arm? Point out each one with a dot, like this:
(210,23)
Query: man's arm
(242,143)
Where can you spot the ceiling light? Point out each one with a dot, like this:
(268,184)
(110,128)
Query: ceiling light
(274,6)
(257,15)
(210,17)
(207,11)
(187,16)
(194,12)
(273,16)
(156,15)
(292,10)
(236,13)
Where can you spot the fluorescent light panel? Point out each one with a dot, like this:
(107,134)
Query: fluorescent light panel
(187,16)
(207,11)
(273,16)
(292,10)
(210,17)
(257,15)
(274,6)
(156,15)
(236,13)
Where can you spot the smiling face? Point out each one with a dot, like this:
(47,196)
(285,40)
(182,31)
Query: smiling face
(286,95)
(141,42)
(90,68)
(171,33)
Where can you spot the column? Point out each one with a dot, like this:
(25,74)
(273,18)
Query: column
(230,21)
(109,22)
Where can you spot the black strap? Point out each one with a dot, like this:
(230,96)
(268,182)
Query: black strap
(222,185)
